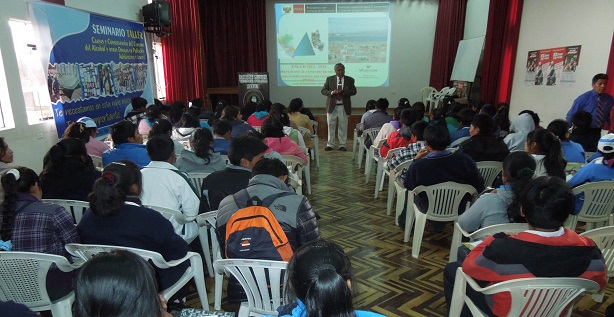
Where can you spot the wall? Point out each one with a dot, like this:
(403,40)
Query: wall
(31,142)
(556,23)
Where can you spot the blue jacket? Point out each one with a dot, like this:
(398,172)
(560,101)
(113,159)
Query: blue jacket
(298,310)
(136,153)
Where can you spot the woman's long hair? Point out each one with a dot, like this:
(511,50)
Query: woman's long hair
(12,186)
(549,145)
(519,169)
(113,187)
(200,142)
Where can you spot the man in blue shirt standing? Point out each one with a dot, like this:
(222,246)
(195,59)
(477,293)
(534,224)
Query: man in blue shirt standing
(596,102)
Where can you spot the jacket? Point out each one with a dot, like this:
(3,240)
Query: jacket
(489,209)
(136,153)
(285,146)
(239,127)
(298,310)
(484,147)
(190,163)
(521,126)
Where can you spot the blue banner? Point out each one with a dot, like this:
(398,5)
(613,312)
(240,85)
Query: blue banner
(96,64)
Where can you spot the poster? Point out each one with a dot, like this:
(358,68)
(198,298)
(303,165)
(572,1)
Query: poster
(253,87)
(95,64)
(553,66)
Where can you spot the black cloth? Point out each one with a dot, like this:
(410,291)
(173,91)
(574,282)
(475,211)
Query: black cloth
(588,139)
(221,184)
(12,309)
(484,148)
(74,180)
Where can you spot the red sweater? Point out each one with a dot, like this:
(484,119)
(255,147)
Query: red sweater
(394,141)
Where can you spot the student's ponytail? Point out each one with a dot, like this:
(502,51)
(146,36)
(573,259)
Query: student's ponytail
(554,161)
(519,169)
(113,187)
(328,294)
(16,180)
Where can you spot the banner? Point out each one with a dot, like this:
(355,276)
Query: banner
(253,87)
(96,64)
(553,66)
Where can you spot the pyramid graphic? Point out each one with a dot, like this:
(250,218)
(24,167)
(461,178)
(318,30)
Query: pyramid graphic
(304,48)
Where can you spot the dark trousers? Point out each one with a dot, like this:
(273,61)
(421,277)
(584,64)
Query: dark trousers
(449,274)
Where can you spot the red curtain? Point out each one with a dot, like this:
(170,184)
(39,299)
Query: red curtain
(610,71)
(235,37)
(183,54)
(500,50)
(449,31)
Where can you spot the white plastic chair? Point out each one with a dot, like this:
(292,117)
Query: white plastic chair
(426,92)
(530,297)
(262,281)
(197,181)
(372,158)
(357,139)
(23,280)
(604,239)
(195,271)
(597,207)
(443,200)
(75,207)
(315,154)
(480,234)
(489,171)
(208,236)
(97,160)
(312,152)
(458,141)
(169,213)
(296,167)
(396,189)
(380,172)
(371,133)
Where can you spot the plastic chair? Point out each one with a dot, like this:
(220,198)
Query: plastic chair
(426,92)
(195,271)
(534,297)
(480,234)
(489,171)
(597,207)
(396,189)
(262,281)
(371,133)
(23,280)
(297,167)
(75,207)
(312,152)
(97,160)
(458,141)
(197,181)
(372,158)
(380,172)
(208,236)
(444,200)
(203,236)
(357,139)
(604,239)
(169,213)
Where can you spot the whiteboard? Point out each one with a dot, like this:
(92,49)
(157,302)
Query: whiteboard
(467,59)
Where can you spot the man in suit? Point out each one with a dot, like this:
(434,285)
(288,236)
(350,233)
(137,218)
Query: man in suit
(338,90)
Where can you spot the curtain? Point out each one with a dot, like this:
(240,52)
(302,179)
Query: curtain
(234,34)
(449,31)
(500,50)
(610,70)
(183,54)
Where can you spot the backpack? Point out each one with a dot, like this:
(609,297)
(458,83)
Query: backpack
(253,232)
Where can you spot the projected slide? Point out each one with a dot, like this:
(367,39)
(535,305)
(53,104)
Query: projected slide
(312,37)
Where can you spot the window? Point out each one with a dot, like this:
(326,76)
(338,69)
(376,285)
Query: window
(6,113)
(31,73)
(159,70)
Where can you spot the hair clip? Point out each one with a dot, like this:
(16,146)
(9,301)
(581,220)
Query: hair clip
(15,173)
(108,177)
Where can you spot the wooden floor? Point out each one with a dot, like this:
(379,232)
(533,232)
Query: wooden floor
(390,281)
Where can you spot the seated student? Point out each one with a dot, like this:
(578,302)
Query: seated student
(165,186)
(581,131)
(135,111)
(68,172)
(378,118)
(239,127)
(435,164)
(535,116)
(521,126)
(502,120)
(221,136)
(572,151)
(93,146)
(195,111)
(369,109)
(201,158)
(320,283)
(402,136)
(127,145)
(76,130)
(244,152)
(547,249)
(301,120)
(483,145)
(153,114)
(6,158)
(413,148)
(187,125)
(421,108)
(464,120)
(600,169)
(248,109)
(260,114)
(175,113)
(276,139)
(108,281)
(546,150)
(395,124)
(116,217)
(452,110)
(502,204)
(205,110)
(166,128)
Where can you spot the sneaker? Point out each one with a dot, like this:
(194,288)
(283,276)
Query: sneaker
(328,148)
(343,149)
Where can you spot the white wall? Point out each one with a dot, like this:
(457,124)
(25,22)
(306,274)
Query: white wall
(31,142)
(555,23)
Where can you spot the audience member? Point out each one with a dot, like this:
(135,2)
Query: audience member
(176,112)
(205,109)
(502,204)
(166,128)
(221,136)
(116,217)
(308,113)
(244,152)
(258,116)
(279,111)
(421,108)
(92,145)
(535,116)
(165,186)
(546,150)
(153,115)
(547,249)
(136,110)
(369,109)
(301,120)
(195,111)
(395,123)
(520,128)
(68,172)
(127,145)
(276,140)
(6,158)
(118,283)
(483,145)
(581,131)
(248,109)
(412,149)
(572,151)
(76,130)
(464,120)
(187,125)
(434,165)
(201,158)
(378,118)
(320,283)
(402,136)
(502,120)
(239,127)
